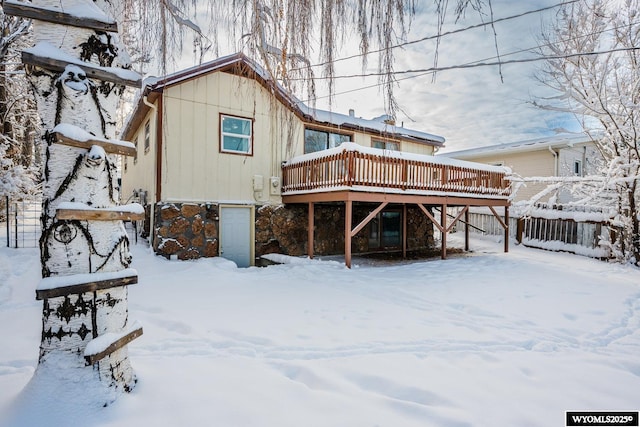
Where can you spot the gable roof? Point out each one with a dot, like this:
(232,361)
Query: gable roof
(239,64)
(546,143)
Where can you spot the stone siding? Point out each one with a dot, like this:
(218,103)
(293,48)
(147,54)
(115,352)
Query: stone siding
(186,230)
(190,230)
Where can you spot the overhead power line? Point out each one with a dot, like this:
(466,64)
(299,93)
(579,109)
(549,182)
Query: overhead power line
(515,52)
(481,64)
(448,33)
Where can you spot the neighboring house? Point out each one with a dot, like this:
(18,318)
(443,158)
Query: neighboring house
(552,224)
(557,156)
(231,164)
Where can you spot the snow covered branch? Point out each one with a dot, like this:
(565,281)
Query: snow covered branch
(604,89)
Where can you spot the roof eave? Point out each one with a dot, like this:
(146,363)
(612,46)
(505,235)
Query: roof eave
(229,64)
(139,112)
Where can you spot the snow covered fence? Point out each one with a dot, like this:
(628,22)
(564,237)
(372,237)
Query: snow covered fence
(567,228)
(574,229)
(22,222)
(565,235)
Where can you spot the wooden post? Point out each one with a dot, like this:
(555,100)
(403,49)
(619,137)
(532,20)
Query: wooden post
(404,231)
(443,224)
(348,214)
(520,230)
(466,230)
(506,229)
(310,231)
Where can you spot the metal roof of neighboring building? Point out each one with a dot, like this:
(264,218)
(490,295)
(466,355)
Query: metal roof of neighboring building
(556,141)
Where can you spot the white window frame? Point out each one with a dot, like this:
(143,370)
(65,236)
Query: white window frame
(249,137)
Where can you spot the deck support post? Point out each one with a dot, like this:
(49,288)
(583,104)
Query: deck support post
(404,231)
(506,229)
(443,224)
(348,214)
(466,230)
(504,224)
(310,231)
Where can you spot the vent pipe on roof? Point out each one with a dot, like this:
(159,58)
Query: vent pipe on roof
(352,112)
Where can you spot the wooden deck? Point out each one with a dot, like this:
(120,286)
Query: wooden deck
(402,173)
(352,174)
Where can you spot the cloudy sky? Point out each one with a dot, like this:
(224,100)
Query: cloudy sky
(469,107)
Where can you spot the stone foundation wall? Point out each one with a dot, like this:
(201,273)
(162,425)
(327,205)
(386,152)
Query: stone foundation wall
(186,230)
(190,230)
(419,229)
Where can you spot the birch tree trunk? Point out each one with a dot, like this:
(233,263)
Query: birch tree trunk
(85,254)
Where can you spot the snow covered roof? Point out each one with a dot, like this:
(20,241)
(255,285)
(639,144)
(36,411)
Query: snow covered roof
(240,64)
(351,146)
(556,141)
(377,124)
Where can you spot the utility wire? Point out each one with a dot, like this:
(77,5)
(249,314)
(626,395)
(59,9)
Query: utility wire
(480,64)
(515,52)
(447,33)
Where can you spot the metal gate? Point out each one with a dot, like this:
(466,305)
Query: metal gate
(23,223)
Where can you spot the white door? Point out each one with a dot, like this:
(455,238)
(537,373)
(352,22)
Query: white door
(235,234)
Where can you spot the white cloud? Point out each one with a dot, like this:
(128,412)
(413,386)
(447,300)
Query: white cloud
(469,107)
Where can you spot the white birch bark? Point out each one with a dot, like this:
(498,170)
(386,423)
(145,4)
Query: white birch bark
(71,174)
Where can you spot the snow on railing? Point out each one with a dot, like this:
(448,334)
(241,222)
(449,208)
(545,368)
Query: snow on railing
(351,165)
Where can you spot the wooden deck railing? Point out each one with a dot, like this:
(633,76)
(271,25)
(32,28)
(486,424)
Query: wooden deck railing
(354,168)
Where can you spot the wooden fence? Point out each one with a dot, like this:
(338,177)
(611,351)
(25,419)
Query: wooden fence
(546,232)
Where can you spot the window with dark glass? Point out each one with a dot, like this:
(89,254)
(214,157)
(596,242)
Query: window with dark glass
(318,140)
(577,167)
(147,136)
(385,230)
(385,145)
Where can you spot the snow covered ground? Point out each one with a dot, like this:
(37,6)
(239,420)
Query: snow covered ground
(491,339)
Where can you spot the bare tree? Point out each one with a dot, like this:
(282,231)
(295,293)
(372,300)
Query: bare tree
(603,91)
(284,35)
(18,122)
